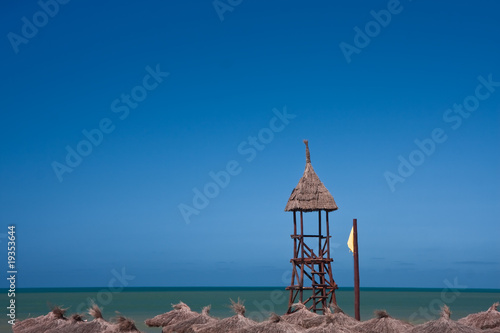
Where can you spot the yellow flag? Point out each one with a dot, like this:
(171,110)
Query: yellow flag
(350,242)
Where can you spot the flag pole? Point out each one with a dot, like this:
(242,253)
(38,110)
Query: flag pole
(356,268)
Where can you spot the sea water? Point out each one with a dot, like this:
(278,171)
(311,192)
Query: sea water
(138,304)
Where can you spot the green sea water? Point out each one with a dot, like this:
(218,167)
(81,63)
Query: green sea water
(414,305)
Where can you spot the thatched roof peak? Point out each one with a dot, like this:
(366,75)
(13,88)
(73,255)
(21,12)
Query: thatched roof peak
(308,154)
(181,306)
(125,324)
(95,312)
(274,318)
(58,312)
(494,307)
(310,194)
(446,312)
(381,314)
(206,310)
(76,317)
(238,307)
(299,306)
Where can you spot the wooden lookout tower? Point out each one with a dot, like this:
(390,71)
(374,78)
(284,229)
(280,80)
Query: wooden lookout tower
(312,269)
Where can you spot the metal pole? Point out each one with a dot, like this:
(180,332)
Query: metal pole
(356,269)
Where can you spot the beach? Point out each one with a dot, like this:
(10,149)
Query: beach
(412,305)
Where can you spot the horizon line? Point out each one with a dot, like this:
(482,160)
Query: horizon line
(173,288)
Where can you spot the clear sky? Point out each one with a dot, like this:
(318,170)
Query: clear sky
(117,115)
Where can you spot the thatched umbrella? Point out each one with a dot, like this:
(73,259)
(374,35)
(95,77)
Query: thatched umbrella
(53,319)
(122,325)
(180,313)
(382,323)
(443,325)
(275,325)
(230,324)
(337,318)
(69,325)
(185,326)
(77,325)
(98,324)
(329,327)
(300,314)
(483,320)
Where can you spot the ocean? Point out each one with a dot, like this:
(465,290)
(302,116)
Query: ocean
(413,305)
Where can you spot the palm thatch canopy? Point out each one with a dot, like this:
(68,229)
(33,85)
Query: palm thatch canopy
(329,327)
(76,317)
(274,325)
(491,330)
(337,318)
(70,325)
(185,326)
(310,194)
(231,324)
(300,314)
(53,319)
(122,325)
(180,313)
(443,325)
(76,324)
(382,323)
(483,320)
(97,325)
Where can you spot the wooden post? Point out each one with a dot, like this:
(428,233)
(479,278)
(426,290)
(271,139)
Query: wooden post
(356,268)
(295,252)
(319,235)
(294,234)
(327,235)
(301,284)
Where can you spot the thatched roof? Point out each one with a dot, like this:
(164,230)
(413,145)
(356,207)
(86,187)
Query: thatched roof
(97,325)
(382,323)
(230,324)
(274,325)
(329,328)
(69,325)
(491,330)
(443,325)
(185,326)
(483,320)
(316,321)
(310,194)
(76,324)
(300,314)
(122,325)
(337,318)
(76,317)
(53,319)
(180,313)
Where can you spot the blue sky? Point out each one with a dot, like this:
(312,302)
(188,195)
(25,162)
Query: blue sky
(174,92)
